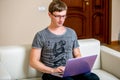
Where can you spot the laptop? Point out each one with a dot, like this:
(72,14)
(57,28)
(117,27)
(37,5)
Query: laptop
(77,66)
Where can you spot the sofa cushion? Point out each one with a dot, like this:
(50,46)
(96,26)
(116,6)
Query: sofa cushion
(103,75)
(110,60)
(4,75)
(31,79)
(16,61)
(12,57)
(90,47)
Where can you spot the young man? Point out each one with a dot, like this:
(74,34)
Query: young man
(54,45)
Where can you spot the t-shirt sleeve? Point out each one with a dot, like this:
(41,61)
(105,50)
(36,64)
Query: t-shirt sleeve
(37,43)
(75,43)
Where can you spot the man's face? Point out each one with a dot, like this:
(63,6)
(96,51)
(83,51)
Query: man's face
(58,18)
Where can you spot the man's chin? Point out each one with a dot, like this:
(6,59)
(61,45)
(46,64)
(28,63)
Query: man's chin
(59,25)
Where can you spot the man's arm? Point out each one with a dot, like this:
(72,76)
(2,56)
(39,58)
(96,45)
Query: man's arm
(76,52)
(35,62)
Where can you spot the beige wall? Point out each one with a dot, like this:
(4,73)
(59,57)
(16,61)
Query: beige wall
(115,19)
(21,19)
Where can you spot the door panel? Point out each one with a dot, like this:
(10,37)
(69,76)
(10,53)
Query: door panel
(98,19)
(89,18)
(78,17)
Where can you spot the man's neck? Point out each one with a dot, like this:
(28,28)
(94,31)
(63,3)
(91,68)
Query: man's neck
(57,30)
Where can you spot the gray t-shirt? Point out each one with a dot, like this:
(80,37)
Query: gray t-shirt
(56,49)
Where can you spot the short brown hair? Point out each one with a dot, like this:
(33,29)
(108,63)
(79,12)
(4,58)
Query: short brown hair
(57,5)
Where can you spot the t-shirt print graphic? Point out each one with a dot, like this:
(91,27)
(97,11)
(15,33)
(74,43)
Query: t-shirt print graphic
(58,49)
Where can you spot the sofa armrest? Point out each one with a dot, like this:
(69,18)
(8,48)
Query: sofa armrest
(4,75)
(110,60)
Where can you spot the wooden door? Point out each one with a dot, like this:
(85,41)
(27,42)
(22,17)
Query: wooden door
(89,18)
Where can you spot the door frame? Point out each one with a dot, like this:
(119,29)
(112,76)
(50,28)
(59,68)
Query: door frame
(109,22)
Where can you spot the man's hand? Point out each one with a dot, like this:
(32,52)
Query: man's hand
(59,69)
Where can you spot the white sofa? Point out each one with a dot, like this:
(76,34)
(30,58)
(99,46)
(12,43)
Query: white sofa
(14,61)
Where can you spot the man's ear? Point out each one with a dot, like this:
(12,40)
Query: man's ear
(49,14)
